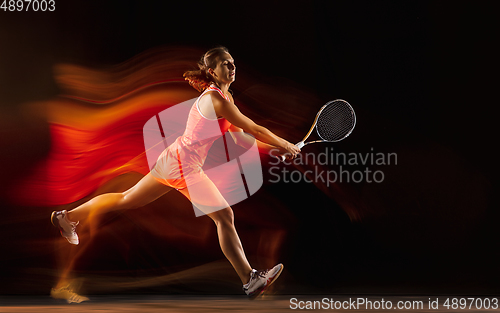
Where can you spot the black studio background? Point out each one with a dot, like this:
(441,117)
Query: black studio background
(420,74)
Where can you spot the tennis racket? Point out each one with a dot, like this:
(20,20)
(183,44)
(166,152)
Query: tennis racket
(334,122)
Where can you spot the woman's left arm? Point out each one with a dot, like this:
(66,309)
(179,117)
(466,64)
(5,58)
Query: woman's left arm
(246,141)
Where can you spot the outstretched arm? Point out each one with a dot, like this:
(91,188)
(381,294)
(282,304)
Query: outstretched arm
(243,139)
(231,113)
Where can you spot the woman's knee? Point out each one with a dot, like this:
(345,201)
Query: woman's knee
(224,216)
(127,202)
(130,199)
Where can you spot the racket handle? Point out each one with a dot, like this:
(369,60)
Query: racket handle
(298,144)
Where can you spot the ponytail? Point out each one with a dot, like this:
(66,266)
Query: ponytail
(200,79)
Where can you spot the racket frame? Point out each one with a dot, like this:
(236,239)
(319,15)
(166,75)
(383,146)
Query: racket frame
(301,143)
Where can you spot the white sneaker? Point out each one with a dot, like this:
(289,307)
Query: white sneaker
(67,228)
(260,280)
(67,294)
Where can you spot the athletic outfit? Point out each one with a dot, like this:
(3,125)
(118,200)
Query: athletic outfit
(180,165)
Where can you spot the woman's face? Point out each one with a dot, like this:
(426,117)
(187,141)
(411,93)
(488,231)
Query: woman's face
(225,71)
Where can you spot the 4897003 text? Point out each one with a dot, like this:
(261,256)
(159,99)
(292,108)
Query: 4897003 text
(28,5)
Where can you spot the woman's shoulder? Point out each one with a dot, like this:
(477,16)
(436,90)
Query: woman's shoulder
(217,94)
(213,95)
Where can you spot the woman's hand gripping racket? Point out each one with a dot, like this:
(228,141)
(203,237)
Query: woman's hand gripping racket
(334,122)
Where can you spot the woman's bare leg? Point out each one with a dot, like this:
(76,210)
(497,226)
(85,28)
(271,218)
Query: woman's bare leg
(145,191)
(230,242)
(207,198)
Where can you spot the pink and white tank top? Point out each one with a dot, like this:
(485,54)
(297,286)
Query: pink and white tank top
(201,131)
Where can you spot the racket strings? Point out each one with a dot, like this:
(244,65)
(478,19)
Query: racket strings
(336,121)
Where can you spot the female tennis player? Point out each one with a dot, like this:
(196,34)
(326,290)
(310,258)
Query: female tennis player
(179,167)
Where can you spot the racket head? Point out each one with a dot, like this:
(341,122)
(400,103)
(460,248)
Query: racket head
(336,120)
